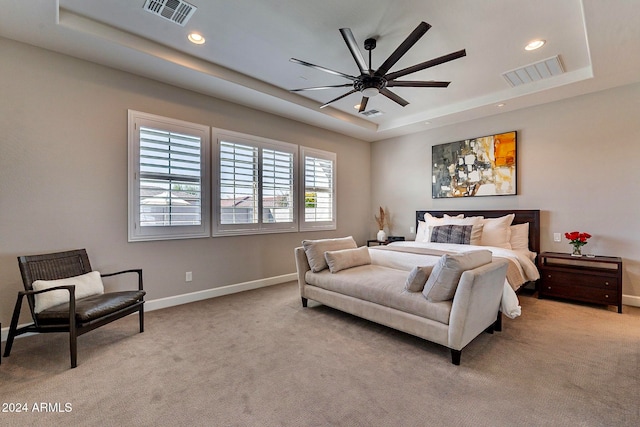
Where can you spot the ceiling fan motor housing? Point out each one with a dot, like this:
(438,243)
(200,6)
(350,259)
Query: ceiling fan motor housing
(365,82)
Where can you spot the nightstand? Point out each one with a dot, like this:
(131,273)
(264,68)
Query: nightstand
(596,279)
(390,239)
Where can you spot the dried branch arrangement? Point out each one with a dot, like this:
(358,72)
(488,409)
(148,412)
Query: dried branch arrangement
(380,219)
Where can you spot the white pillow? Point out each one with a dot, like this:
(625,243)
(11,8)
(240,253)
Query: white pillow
(315,249)
(421,234)
(86,285)
(347,258)
(497,231)
(520,236)
(443,281)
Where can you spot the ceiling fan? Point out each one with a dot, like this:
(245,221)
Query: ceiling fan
(371,83)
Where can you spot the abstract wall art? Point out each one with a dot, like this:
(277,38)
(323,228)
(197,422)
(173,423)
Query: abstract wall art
(483,166)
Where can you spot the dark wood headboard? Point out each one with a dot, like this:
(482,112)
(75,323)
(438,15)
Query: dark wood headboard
(521,216)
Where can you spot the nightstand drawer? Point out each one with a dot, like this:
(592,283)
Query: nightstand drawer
(572,278)
(580,293)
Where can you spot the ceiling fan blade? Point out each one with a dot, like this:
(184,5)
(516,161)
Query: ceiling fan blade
(347,35)
(408,83)
(420,30)
(363,104)
(338,98)
(326,70)
(392,96)
(320,87)
(427,64)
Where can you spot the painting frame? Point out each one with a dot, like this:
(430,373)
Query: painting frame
(475,167)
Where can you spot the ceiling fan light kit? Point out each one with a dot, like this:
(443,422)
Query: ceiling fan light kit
(371,83)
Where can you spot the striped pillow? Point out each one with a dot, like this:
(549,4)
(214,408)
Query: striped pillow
(450,233)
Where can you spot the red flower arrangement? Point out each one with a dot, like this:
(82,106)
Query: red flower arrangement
(577,240)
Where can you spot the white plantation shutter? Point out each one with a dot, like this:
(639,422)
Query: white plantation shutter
(319,195)
(277,186)
(255,188)
(168,178)
(238,200)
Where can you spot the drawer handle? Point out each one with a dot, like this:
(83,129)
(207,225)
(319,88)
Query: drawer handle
(606,296)
(606,283)
(549,287)
(548,276)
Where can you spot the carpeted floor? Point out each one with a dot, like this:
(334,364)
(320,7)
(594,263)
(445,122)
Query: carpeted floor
(260,359)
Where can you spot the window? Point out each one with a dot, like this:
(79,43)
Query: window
(168,178)
(318,176)
(255,188)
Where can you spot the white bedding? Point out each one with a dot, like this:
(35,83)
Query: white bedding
(406,255)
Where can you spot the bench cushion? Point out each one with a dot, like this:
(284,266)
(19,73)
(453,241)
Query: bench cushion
(383,286)
(90,308)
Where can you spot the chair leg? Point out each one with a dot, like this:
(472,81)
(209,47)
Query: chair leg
(73,344)
(141,315)
(73,336)
(304,301)
(13,327)
(455,356)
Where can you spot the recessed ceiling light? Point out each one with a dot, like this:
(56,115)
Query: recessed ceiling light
(500,105)
(196,38)
(357,106)
(427,122)
(534,44)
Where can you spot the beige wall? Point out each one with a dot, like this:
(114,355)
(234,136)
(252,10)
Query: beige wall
(63,175)
(577,163)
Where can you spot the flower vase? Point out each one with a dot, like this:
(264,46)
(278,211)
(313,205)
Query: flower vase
(381,236)
(576,251)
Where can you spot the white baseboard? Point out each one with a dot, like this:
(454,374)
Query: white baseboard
(158,304)
(631,300)
(161,303)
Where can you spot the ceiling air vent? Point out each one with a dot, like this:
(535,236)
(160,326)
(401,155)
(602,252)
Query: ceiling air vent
(372,113)
(176,11)
(534,72)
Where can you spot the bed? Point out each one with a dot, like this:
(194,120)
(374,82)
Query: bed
(495,230)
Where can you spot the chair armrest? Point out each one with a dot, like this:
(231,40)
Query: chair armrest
(72,300)
(70,288)
(135,270)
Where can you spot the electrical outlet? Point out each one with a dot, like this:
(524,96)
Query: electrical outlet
(188,277)
(412,230)
(556,237)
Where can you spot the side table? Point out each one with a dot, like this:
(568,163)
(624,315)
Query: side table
(596,279)
(390,239)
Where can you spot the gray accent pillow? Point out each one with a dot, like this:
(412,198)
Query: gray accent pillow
(347,258)
(443,281)
(417,278)
(315,249)
(459,234)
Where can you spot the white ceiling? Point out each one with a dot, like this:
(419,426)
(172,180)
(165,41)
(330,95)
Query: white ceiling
(249,44)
